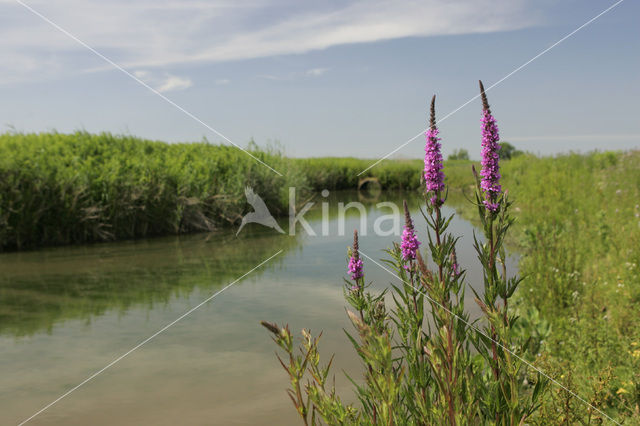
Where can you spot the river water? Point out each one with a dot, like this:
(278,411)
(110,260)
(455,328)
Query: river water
(67,312)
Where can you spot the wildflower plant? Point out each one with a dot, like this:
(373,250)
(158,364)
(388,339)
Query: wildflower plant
(509,401)
(424,360)
(433,174)
(490,183)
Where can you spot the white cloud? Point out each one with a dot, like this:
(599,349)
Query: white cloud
(223,81)
(165,83)
(148,33)
(173,82)
(316,72)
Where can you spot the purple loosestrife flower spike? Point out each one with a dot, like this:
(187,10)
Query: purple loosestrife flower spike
(355,263)
(433,174)
(410,243)
(490,172)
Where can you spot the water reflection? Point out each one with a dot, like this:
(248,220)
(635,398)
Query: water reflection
(67,312)
(40,288)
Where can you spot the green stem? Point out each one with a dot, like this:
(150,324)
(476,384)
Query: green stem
(448,320)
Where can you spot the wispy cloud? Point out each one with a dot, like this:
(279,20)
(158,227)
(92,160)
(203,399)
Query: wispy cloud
(316,72)
(165,83)
(223,81)
(173,82)
(148,33)
(274,77)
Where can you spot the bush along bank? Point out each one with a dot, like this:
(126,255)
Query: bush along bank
(77,188)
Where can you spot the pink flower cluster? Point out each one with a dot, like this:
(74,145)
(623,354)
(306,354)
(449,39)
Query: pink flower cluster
(433,174)
(355,263)
(410,243)
(490,172)
(355,268)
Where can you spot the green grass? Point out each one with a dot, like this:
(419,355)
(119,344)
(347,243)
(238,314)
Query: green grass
(343,173)
(78,188)
(578,231)
(579,227)
(61,189)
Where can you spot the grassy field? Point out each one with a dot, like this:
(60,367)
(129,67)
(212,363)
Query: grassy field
(579,227)
(578,231)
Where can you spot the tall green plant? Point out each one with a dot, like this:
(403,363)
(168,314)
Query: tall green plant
(508,402)
(420,368)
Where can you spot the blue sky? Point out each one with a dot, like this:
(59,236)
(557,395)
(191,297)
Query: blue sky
(326,78)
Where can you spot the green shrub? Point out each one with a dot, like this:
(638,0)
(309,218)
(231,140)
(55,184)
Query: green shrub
(61,189)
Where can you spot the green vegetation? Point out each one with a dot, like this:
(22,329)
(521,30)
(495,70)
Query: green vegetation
(508,151)
(342,173)
(61,189)
(459,154)
(578,231)
(579,225)
(76,188)
(426,366)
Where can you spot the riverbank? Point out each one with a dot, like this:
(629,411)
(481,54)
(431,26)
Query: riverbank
(76,188)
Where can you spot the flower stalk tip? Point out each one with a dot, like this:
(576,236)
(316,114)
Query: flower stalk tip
(271,327)
(410,242)
(355,263)
(485,102)
(432,115)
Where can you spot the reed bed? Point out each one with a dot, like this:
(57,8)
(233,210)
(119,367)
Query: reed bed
(77,188)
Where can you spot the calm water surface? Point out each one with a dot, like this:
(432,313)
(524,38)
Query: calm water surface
(65,313)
